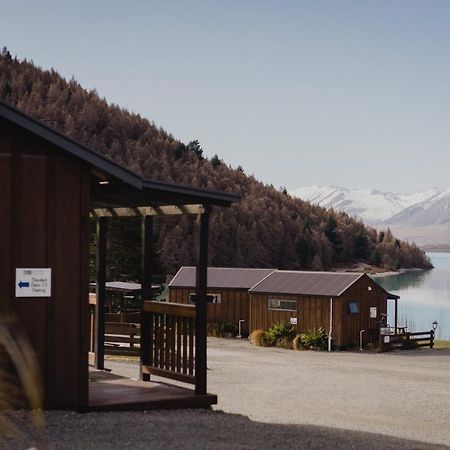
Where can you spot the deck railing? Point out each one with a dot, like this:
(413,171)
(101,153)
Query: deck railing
(122,331)
(168,340)
(406,341)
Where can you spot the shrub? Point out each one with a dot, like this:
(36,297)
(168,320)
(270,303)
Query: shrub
(257,338)
(214,330)
(228,327)
(314,339)
(284,343)
(278,332)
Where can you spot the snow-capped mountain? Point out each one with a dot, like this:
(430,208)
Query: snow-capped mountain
(422,217)
(376,207)
(434,210)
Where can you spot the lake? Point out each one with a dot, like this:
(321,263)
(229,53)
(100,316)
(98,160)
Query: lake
(424,296)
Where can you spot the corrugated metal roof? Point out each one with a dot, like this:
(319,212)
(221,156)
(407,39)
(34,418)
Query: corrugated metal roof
(306,283)
(222,277)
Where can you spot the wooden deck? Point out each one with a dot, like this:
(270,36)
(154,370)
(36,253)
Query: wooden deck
(113,393)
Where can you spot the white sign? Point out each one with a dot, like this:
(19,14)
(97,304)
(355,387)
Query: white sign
(33,282)
(373,312)
(387,339)
(293,320)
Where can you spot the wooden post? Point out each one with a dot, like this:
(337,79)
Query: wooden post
(396,315)
(431,338)
(201,305)
(146,290)
(102,235)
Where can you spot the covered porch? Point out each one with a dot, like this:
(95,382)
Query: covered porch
(172,342)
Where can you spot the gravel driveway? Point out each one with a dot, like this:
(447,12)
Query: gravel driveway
(274,398)
(403,394)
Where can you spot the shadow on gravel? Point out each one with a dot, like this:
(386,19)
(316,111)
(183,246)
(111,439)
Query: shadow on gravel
(183,429)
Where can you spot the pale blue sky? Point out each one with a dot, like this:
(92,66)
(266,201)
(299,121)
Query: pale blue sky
(353,93)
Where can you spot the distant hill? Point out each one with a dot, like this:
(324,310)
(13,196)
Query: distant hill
(422,217)
(268,228)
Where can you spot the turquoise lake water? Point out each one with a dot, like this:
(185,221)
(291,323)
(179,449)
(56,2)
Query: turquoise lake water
(424,296)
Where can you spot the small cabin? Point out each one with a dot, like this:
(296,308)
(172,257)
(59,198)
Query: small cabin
(343,304)
(228,292)
(51,187)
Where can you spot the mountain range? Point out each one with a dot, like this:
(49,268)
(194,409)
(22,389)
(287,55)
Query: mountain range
(423,217)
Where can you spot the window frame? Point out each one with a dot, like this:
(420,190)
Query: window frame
(281,300)
(217,298)
(356,303)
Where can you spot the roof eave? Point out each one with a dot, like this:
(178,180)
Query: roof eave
(74,148)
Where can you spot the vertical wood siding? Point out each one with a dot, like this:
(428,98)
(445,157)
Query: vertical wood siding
(352,324)
(313,312)
(44,198)
(234,306)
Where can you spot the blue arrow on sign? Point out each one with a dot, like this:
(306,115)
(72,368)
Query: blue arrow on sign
(24,284)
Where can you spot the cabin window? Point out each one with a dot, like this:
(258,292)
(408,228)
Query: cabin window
(282,305)
(353,308)
(210,298)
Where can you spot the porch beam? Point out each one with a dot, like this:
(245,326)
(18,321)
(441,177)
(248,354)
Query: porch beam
(201,305)
(396,315)
(167,210)
(100,288)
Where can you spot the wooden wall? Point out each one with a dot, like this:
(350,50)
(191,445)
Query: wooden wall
(234,306)
(313,312)
(44,201)
(349,325)
(261,317)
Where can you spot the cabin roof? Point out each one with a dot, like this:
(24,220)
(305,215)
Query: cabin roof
(126,188)
(330,284)
(123,286)
(221,277)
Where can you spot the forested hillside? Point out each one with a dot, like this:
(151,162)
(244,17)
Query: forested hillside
(268,228)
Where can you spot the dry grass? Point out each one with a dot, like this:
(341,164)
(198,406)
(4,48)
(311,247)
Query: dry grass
(441,344)
(257,338)
(20,383)
(297,342)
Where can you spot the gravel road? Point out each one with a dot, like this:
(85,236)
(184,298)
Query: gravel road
(273,398)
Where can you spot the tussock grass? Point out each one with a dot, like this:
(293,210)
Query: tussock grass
(257,338)
(297,342)
(20,383)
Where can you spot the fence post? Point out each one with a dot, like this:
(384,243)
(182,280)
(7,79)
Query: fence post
(431,338)
(146,291)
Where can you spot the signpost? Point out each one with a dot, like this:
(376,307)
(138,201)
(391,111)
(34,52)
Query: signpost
(33,282)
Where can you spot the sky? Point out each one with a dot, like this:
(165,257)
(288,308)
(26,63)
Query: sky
(348,93)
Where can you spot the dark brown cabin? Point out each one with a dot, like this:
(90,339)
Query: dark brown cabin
(50,187)
(228,296)
(306,299)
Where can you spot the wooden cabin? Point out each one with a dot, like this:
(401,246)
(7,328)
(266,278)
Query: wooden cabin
(228,292)
(340,303)
(50,187)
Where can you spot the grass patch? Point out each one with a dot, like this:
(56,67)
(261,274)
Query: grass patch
(441,344)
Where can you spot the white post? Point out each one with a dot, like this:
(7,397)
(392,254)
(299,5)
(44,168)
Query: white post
(331,325)
(239,336)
